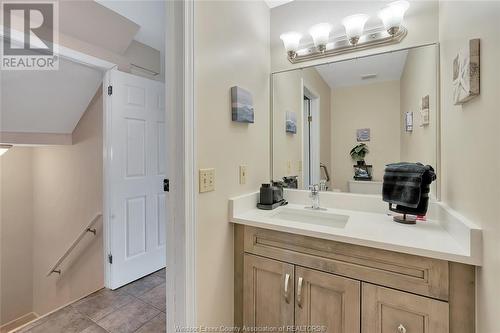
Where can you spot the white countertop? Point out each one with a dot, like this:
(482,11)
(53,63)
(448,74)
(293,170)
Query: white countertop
(445,235)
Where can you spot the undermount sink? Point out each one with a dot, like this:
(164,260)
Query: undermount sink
(310,216)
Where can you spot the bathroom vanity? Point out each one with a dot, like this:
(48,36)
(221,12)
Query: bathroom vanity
(350,268)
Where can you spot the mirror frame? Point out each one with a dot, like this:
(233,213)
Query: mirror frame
(438,106)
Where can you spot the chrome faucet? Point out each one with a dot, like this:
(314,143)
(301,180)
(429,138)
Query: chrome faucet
(314,195)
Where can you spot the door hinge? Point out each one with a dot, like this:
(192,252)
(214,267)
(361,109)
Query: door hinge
(110,90)
(310,119)
(166,185)
(110,258)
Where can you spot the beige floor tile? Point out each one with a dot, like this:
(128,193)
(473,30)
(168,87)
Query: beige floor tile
(102,303)
(129,318)
(143,285)
(161,273)
(157,297)
(156,325)
(66,320)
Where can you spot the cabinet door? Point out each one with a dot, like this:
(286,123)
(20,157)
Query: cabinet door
(390,311)
(327,300)
(268,293)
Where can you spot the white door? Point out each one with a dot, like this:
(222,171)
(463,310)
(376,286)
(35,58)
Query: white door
(135,170)
(310,141)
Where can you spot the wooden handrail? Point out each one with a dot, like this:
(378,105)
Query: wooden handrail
(88,228)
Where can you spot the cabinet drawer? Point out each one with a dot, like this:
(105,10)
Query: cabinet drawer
(419,275)
(390,311)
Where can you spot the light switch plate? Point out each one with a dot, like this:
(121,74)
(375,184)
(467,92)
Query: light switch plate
(207,180)
(243,174)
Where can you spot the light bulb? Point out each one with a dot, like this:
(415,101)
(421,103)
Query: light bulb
(354,26)
(4,148)
(392,15)
(320,34)
(291,40)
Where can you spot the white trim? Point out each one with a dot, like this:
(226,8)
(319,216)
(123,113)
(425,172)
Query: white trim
(14,324)
(181,227)
(315,137)
(66,53)
(106,162)
(54,311)
(190,164)
(36,138)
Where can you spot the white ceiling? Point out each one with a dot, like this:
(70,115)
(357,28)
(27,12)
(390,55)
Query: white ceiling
(276,3)
(149,15)
(47,101)
(387,67)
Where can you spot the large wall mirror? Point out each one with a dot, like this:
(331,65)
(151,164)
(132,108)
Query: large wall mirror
(338,124)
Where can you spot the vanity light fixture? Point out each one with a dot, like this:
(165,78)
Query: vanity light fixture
(392,15)
(354,26)
(4,148)
(320,34)
(291,40)
(356,37)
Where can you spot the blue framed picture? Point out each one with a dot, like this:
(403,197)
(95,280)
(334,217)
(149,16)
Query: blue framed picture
(363,134)
(291,122)
(241,105)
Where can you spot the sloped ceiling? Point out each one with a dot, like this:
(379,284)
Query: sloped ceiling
(148,15)
(93,23)
(47,101)
(385,67)
(276,3)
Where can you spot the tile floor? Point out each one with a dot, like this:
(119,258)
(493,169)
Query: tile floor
(138,307)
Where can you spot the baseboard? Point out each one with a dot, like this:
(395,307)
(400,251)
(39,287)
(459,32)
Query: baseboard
(18,322)
(49,313)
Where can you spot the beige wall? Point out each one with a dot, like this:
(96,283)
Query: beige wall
(67,182)
(287,147)
(288,96)
(16,234)
(419,79)
(470,143)
(232,48)
(421,21)
(315,82)
(374,106)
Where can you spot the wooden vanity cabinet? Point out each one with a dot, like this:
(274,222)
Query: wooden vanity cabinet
(268,292)
(387,311)
(277,294)
(326,300)
(283,279)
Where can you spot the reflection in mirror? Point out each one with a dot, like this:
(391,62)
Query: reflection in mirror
(339,124)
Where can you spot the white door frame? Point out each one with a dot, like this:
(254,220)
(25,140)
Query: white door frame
(181,152)
(181,122)
(315,137)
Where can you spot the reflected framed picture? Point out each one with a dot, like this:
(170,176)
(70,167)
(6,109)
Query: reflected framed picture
(363,134)
(241,105)
(466,73)
(291,122)
(409,121)
(425,111)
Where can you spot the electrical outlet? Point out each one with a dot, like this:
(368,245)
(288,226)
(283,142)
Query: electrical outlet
(243,174)
(207,180)
(289,167)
